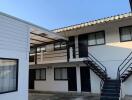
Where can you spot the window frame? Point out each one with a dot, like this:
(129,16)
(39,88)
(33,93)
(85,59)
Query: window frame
(60,46)
(17,73)
(95,33)
(120,33)
(55,74)
(40,79)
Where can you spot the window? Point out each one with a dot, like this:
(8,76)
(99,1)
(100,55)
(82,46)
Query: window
(31,58)
(60,73)
(32,50)
(43,49)
(8,75)
(96,38)
(41,74)
(39,49)
(126,33)
(60,45)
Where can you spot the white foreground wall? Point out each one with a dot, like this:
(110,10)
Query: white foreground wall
(14,43)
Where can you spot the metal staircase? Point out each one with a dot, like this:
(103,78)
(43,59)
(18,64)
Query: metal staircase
(96,66)
(125,69)
(110,90)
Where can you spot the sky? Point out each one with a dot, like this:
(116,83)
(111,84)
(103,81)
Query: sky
(52,14)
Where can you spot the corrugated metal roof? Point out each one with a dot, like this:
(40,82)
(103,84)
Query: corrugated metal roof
(94,22)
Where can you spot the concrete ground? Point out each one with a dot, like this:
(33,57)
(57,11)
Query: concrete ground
(44,96)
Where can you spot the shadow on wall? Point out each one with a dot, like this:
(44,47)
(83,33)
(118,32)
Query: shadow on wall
(111,55)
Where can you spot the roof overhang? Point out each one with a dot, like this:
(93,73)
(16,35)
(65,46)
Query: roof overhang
(39,37)
(94,22)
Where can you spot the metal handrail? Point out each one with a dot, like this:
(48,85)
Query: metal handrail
(123,65)
(126,69)
(101,85)
(98,62)
(124,60)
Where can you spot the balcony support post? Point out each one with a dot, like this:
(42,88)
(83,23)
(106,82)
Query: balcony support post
(68,54)
(35,56)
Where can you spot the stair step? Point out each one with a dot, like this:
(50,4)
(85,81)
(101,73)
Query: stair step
(111,87)
(112,81)
(110,90)
(111,84)
(109,98)
(110,94)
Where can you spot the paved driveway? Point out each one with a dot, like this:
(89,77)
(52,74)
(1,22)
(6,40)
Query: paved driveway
(40,96)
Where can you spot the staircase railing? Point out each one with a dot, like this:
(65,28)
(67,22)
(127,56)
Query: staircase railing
(97,62)
(124,66)
(101,85)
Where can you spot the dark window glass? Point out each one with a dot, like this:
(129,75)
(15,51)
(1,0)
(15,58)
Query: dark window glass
(32,50)
(96,38)
(60,45)
(8,75)
(41,74)
(60,73)
(126,33)
(31,58)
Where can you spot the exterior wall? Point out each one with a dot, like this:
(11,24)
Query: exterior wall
(127,87)
(113,52)
(14,43)
(50,84)
(95,83)
(13,34)
(62,86)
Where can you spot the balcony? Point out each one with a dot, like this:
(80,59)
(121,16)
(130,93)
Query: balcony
(58,56)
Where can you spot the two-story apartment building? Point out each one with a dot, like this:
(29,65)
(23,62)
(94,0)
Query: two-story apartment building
(95,52)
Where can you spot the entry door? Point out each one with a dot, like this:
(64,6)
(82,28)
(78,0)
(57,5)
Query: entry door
(83,45)
(31,78)
(72,82)
(85,79)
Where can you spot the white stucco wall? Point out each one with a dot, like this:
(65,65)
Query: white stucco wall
(95,83)
(127,87)
(113,52)
(50,84)
(62,86)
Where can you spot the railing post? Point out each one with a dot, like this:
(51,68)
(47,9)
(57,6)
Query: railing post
(68,54)
(35,55)
(71,53)
(41,55)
